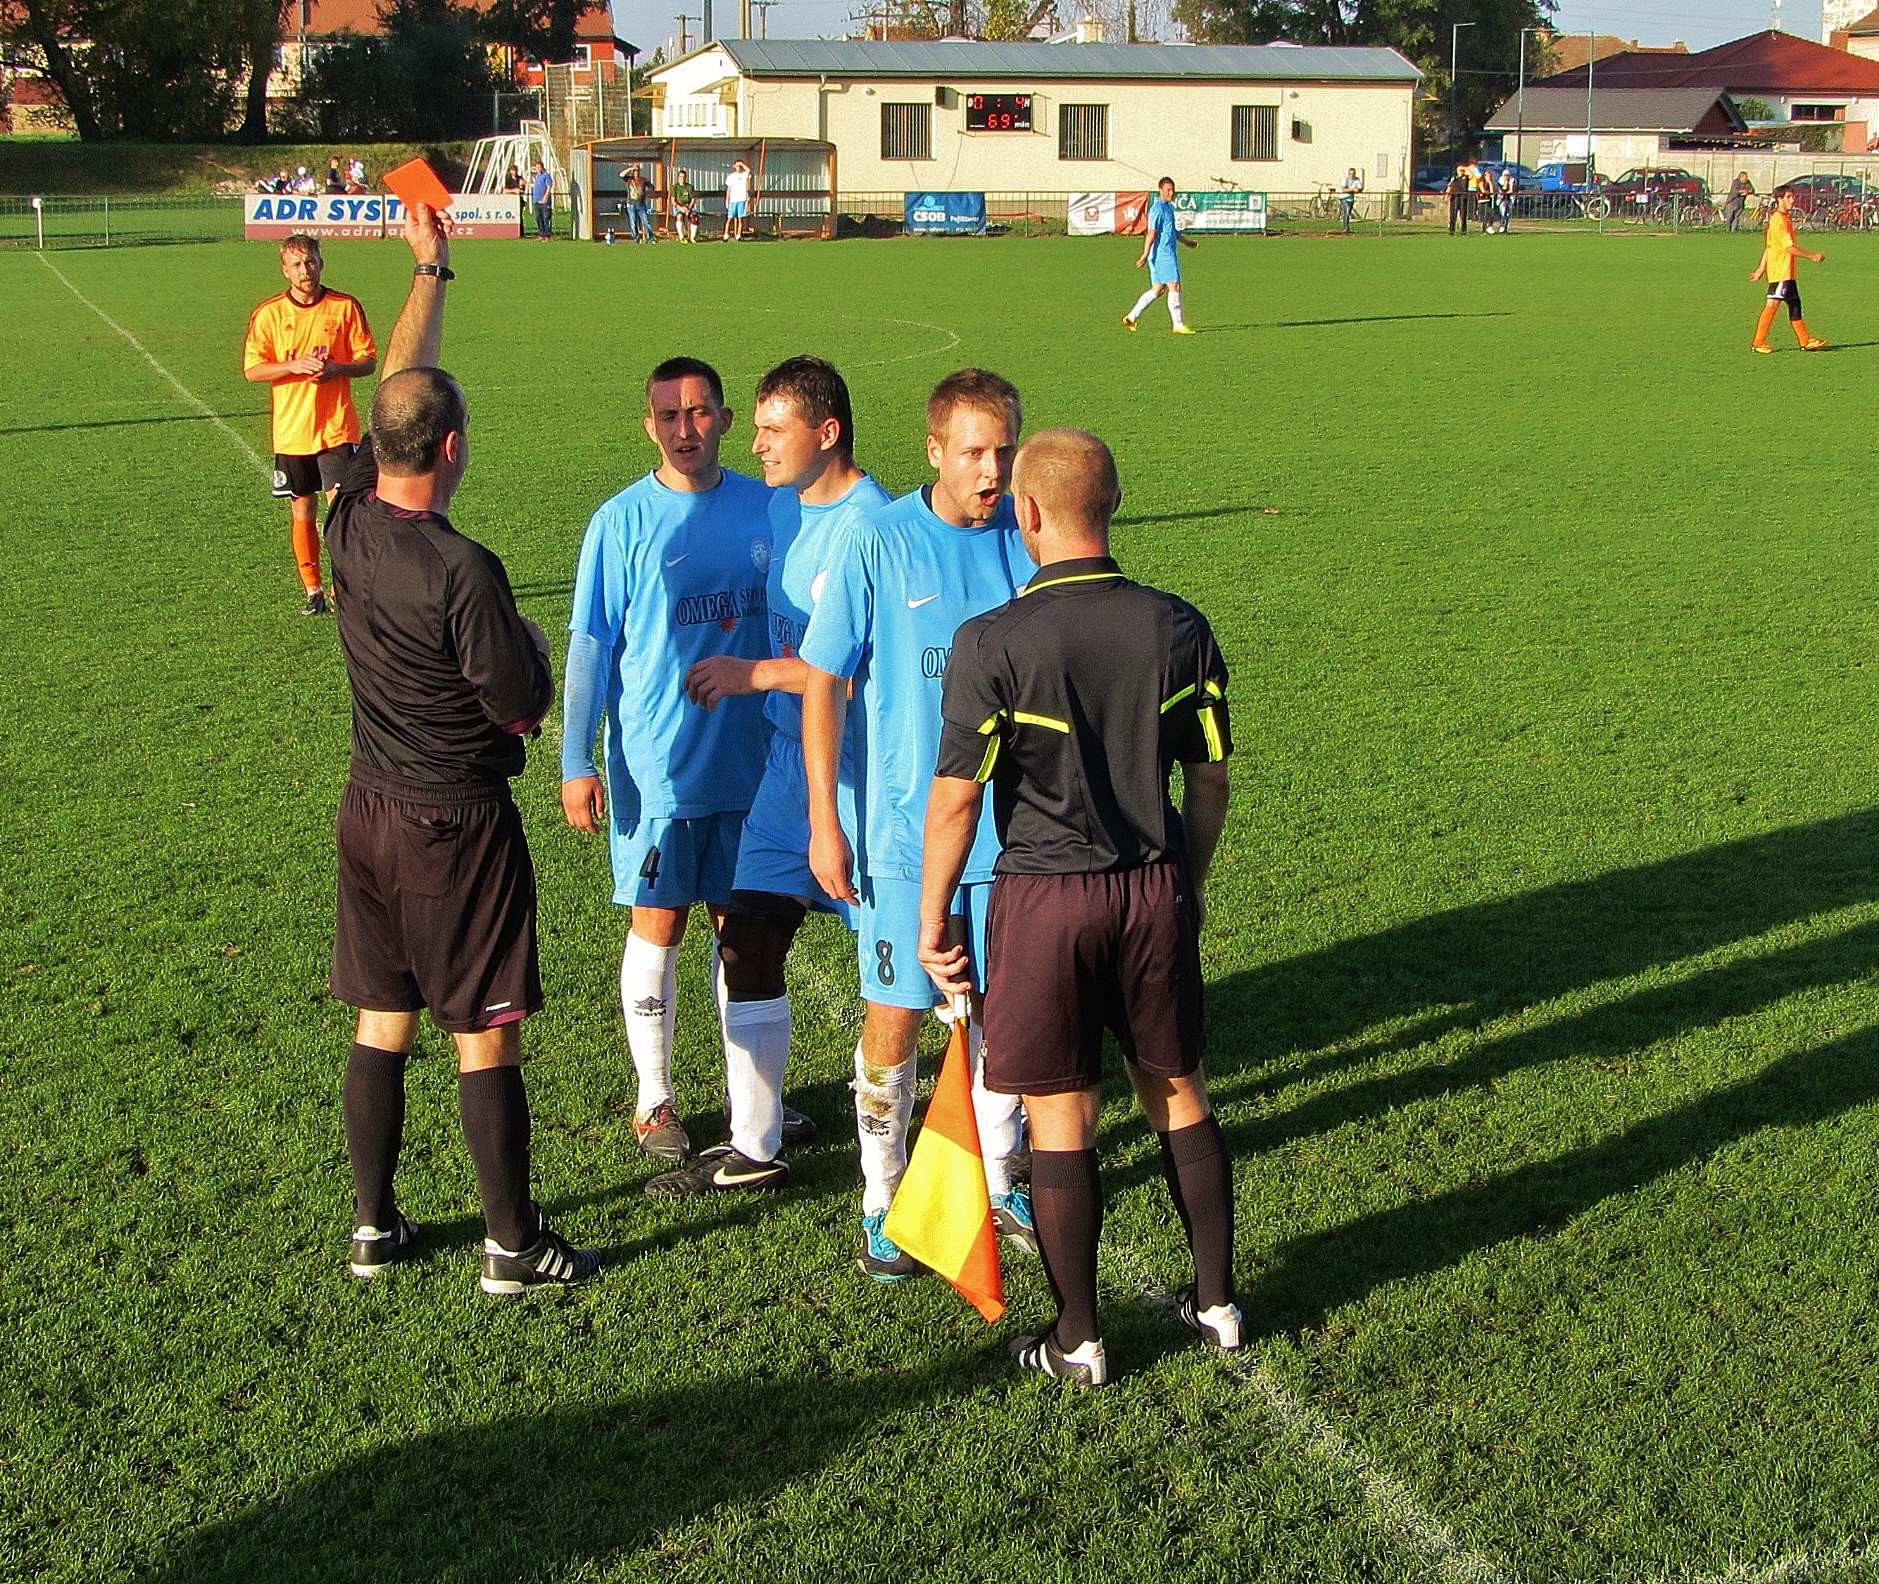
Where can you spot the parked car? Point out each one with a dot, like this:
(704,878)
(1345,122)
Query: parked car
(1823,191)
(1430,178)
(1649,185)
(1567,176)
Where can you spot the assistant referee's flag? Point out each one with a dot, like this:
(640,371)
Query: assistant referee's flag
(942,1214)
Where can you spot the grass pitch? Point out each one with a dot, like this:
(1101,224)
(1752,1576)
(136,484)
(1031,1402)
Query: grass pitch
(1543,1015)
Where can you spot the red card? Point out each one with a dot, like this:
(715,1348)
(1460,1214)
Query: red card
(414,182)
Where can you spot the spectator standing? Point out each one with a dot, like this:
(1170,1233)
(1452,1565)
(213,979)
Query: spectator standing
(335,182)
(1457,191)
(542,195)
(1506,190)
(1740,191)
(685,208)
(638,213)
(736,201)
(1348,192)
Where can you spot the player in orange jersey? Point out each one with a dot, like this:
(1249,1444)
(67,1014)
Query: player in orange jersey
(1778,256)
(310,344)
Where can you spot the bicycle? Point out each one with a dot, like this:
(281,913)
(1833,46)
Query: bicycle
(1325,203)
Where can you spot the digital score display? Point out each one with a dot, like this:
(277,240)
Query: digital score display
(998,112)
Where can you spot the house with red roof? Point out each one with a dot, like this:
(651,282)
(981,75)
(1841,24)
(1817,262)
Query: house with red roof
(1803,82)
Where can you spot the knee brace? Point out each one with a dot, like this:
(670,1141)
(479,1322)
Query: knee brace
(755,941)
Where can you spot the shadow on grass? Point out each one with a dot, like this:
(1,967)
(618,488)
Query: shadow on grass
(1312,324)
(551,1489)
(125,423)
(1188,516)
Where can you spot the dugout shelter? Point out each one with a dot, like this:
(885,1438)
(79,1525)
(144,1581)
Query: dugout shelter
(793,182)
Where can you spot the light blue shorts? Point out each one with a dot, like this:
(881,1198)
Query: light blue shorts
(672,863)
(1164,270)
(737,211)
(888,942)
(774,853)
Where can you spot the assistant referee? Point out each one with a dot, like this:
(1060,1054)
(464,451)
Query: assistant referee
(1075,701)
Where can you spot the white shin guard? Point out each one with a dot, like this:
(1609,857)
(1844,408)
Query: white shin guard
(1000,1118)
(1142,302)
(756,1050)
(883,1111)
(649,994)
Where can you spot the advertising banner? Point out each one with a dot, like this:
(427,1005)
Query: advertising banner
(946,213)
(1220,211)
(1092,214)
(1132,214)
(266,217)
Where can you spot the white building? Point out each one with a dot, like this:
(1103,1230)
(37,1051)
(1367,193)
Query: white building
(1055,118)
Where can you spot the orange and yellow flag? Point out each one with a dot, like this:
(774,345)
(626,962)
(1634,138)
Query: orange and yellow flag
(942,1214)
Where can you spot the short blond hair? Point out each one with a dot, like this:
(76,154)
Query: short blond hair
(979,389)
(1071,475)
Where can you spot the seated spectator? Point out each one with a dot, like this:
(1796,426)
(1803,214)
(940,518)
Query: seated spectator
(335,183)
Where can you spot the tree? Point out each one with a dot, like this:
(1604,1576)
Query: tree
(543,30)
(58,30)
(1420,29)
(261,36)
(427,77)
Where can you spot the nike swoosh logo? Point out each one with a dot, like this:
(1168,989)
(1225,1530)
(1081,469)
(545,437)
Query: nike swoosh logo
(674,560)
(916,604)
(726,1178)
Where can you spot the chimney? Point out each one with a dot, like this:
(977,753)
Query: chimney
(1090,30)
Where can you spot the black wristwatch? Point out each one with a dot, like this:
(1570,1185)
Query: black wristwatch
(442,271)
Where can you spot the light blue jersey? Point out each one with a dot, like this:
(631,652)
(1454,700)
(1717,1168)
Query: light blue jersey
(666,579)
(804,541)
(901,585)
(1164,251)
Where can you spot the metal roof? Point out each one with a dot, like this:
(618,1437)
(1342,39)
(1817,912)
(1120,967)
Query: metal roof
(1615,110)
(1033,62)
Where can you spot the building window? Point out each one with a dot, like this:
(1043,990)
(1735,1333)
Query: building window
(1819,112)
(906,131)
(1255,132)
(1083,132)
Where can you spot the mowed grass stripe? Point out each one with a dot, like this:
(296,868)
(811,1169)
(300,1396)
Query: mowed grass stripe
(1550,679)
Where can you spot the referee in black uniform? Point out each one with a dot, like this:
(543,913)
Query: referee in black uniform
(436,888)
(1075,702)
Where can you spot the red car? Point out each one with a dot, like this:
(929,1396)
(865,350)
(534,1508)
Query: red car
(1648,186)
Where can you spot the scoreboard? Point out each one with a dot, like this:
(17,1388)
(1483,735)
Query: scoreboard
(998,112)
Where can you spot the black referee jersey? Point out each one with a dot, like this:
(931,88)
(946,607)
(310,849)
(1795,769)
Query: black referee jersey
(1074,701)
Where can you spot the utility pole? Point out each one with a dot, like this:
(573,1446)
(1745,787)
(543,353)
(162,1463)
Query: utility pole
(706,33)
(763,16)
(1454,78)
(685,37)
(1134,36)
(1520,136)
(1591,46)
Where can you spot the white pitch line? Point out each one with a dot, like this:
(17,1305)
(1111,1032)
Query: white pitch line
(182,390)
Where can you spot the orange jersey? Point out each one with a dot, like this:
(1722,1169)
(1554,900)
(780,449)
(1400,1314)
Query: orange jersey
(1780,248)
(310,417)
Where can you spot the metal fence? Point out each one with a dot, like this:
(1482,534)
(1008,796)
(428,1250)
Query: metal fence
(117,222)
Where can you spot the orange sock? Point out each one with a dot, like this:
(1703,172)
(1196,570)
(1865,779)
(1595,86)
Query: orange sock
(307,553)
(1766,323)
(1801,333)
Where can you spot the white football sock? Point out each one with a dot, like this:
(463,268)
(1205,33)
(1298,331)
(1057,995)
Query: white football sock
(756,1050)
(883,1110)
(1174,307)
(649,997)
(1141,304)
(1000,1118)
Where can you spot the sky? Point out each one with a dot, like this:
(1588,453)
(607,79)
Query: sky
(1699,23)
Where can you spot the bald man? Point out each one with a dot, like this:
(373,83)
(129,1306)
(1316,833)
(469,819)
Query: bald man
(1075,701)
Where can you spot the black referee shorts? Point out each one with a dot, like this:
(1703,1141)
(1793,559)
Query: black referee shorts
(1067,956)
(436,905)
(296,477)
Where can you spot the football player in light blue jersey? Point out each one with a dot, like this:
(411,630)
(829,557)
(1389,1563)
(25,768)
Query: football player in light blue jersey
(896,593)
(672,572)
(1162,257)
(805,437)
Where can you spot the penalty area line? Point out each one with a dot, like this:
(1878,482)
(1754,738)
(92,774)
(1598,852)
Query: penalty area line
(182,390)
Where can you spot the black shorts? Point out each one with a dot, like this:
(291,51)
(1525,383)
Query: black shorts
(436,905)
(1067,956)
(296,477)
(1789,292)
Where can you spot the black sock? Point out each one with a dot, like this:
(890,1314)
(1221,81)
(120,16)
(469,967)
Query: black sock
(494,1106)
(374,1097)
(1200,1179)
(1067,1204)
